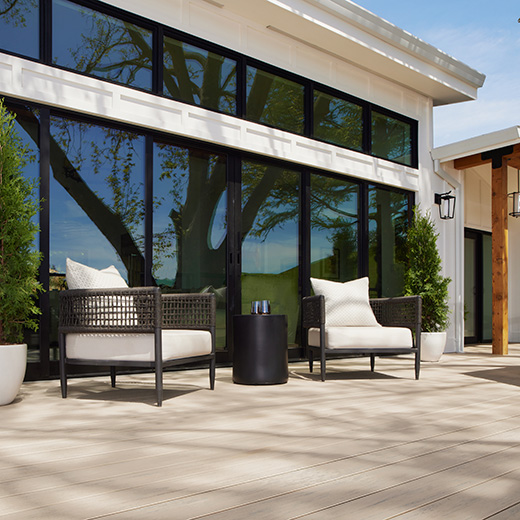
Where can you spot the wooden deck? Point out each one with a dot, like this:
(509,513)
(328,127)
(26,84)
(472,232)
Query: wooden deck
(359,446)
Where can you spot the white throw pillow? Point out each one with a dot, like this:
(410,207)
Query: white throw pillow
(346,304)
(81,276)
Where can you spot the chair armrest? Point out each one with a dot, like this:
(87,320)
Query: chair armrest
(313,311)
(189,311)
(401,311)
(132,309)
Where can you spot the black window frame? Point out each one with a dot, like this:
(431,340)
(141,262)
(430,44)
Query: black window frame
(243,61)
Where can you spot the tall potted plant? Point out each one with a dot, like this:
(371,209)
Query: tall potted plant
(19,261)
(423,276)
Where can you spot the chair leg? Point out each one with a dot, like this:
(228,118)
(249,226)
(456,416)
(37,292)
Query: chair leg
(212,373)
(372,362)
(322,364)
(113,376)
(159,384)
(417,365)
(63,367)
(311,360)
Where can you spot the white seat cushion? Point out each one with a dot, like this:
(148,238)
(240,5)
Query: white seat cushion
(363,337)
(176,344)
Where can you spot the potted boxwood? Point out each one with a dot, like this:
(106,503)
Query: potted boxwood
(19,261)
(423,276)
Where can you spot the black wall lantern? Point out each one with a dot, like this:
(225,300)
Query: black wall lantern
(516,198)
(446,204)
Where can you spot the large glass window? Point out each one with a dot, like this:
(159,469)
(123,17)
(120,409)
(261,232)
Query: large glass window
(338,121)
(334,228)
(391,138)
(274,101)
(387,225)
(109,48)
(19,27)
(270,244)
(190,224)
(97,198)
(200,77)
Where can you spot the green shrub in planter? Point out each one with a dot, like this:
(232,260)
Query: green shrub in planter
(423,274)
(19,261)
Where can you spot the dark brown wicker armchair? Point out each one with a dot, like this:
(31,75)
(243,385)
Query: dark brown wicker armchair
(394,314)
(136,327)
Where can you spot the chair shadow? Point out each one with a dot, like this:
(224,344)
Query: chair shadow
(122,394)
(505,375)
(341,376)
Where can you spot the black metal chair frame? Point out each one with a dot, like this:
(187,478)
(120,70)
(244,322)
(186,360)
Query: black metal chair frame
(141,310)
(402,311)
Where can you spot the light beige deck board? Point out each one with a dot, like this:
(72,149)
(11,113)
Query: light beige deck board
(111,452)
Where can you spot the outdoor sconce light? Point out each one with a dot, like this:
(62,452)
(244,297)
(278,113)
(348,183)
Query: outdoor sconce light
(516,198)
(446,204)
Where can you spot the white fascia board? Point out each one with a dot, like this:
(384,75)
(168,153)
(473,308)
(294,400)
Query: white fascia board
(482,143)
(359,37)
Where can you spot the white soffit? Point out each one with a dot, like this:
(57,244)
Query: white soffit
(482,143)
(351,33)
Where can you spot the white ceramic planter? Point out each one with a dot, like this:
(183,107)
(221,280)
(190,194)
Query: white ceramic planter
(13,361)
(432,345)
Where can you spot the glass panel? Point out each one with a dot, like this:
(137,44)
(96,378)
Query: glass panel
(387,225)
(338,121)
(274,101)
(470,287)
(391,139)
(334,229)
(97,202)
(20,27)
(270,219)
(487,308)
(89,41)
(200,77)
(189,224)
(27,127)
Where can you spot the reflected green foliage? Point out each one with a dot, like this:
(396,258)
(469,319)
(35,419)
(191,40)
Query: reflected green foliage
(19,262)
(98,44)
(200,77)
(17,12)
(388,224)
(391,138)
(188,184)
(338,121)
(274,101)
(334,228)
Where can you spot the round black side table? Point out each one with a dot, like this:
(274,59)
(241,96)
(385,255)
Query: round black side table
(260,354)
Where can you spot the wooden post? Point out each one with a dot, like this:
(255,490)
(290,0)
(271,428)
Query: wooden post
(499,217)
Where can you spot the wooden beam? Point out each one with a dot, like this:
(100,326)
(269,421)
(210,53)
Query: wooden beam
(499,246)
(471,161)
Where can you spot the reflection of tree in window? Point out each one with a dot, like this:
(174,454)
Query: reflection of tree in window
(338,121)
(19,27)
(388,222)
(98,44)
(334,221)
(200,77)
(274,101)
(188,187)
(97,167)
(391,138)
